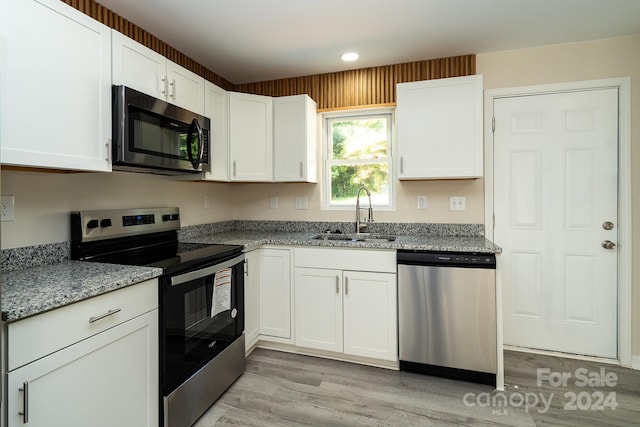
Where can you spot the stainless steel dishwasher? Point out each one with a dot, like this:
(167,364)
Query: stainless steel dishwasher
(447,314)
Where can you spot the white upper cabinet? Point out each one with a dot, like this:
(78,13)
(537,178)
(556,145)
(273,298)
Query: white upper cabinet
(142,69)
(294,139)
(251,137)
(216,107)
(55,87)
(440,128)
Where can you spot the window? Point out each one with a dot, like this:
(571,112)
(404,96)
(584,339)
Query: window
(358,153)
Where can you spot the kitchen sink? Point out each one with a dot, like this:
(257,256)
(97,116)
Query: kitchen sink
(360,237)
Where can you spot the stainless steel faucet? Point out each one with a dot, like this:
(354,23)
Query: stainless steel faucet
(363,228)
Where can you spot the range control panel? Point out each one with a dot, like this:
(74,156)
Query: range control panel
(129,220)
(99,225)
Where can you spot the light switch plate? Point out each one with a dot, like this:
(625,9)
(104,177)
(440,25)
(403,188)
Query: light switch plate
(273,203)
(208,201)
(302,203)
(422,202)
(457,203)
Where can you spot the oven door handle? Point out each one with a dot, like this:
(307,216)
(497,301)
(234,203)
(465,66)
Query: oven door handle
(204,272)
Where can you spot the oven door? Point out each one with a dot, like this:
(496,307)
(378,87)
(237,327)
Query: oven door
(202,314)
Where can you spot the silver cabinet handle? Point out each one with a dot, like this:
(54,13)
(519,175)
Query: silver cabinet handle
(173,87)
(163,88)
(234,168)
(246,267)
(401,165)
(25,402)
(337,284)
(301,170)
(108,144)
(346,286)
(102,316)
(608,244)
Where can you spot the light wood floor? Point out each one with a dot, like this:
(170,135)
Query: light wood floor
(281,389)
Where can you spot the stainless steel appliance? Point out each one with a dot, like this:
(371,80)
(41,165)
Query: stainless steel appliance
(151,135)
(447,314)
(201,295)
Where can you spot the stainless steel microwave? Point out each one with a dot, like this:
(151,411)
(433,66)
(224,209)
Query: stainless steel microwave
(151,135)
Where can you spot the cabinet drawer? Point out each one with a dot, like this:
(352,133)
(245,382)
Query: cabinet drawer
(346,259)
(43,334)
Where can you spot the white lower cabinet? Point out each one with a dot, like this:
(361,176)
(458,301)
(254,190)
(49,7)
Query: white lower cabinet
(251,299)
(352,312)
(318,296)
(275,293)
(106,379)
(370,314)
(267,295)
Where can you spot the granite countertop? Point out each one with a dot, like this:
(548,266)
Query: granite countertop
(38,289)
(41,278)
(253,239)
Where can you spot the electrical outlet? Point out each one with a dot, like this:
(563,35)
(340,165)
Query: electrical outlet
(422,202)
(273,203)
(6,208)
(302,203)
(457,203)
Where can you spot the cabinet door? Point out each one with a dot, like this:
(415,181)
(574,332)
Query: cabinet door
(251,298)
(294,139)
(216,107)
(109,379)
(440,128)
(275,293)
(138,67)
(318,308)
(370,319)
(55,81)
(186,89)
(250,137)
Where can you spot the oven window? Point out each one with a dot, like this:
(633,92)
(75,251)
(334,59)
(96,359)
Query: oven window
(153,134)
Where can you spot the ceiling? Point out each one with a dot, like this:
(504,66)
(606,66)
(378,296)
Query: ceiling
(255,40)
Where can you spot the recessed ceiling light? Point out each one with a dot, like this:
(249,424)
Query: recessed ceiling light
(349,56)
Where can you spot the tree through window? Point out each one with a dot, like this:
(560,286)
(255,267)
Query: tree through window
(358,153)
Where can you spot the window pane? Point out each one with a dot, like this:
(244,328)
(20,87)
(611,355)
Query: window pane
(359,138)
(347,179)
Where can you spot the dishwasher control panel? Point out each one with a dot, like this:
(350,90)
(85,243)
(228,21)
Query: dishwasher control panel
(444,259)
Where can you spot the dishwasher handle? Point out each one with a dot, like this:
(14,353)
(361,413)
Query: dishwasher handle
(447,259)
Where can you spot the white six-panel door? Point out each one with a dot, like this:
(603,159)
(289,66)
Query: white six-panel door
(555,179)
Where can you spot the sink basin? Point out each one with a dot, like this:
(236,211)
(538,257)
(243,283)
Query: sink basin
(362,237)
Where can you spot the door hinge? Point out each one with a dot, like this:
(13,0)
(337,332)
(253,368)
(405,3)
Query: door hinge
(493,124)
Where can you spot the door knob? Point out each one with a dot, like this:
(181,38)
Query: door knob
(608,244)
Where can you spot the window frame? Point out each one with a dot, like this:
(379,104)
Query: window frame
(327,149)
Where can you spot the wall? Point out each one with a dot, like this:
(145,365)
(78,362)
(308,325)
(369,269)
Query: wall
(43,201)
(617,57)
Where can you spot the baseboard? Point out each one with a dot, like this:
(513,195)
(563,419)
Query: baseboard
(635,362)
(561,354)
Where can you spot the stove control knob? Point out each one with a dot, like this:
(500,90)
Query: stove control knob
(93,224)
(105,222)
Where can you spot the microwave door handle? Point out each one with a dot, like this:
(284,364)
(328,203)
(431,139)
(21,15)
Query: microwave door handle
(198,130)
(200,142)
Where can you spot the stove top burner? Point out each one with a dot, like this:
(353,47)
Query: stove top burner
(191,254)
(143,237)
